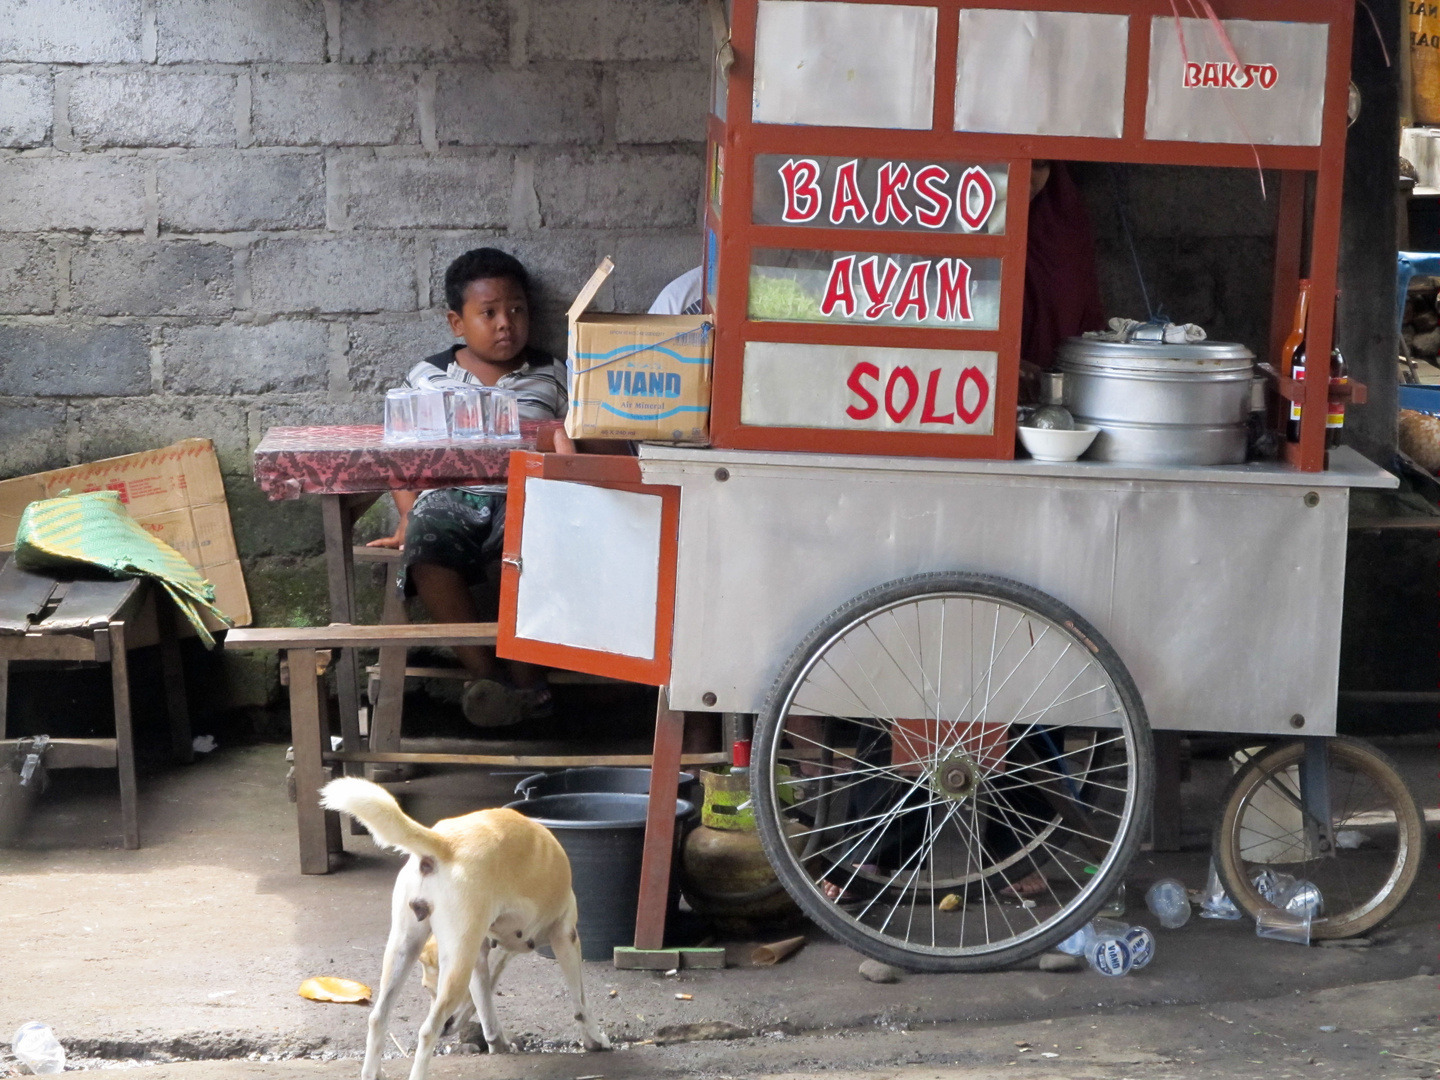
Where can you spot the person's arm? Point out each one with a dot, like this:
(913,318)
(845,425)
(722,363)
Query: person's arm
(404,502)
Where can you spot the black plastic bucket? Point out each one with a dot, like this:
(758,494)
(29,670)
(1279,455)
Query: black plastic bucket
(603,833)
(592,779)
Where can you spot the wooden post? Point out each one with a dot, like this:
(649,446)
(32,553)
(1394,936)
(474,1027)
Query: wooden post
(177,703)
(1165,809)
(659,825)
(340,567)
(307,736)
(124,736)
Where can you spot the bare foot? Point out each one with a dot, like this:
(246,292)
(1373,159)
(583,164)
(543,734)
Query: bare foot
(1031,885)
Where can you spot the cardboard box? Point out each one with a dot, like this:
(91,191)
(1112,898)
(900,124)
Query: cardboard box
(175,493)
(638,376)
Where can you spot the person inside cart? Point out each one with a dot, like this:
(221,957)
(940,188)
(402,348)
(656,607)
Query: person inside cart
(452,537)
(1062,285)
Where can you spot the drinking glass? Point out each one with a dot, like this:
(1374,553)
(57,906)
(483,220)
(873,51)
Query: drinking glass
(467,413)
(503,414)
(400,415)
(430,416)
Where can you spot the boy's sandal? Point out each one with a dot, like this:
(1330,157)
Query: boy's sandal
(536,703)
(490,704)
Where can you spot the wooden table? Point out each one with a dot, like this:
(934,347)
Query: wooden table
(348,468)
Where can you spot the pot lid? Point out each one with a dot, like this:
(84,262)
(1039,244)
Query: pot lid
(1205,357)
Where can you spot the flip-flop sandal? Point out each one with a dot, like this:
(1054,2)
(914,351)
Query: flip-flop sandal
(490,704)
(536,703)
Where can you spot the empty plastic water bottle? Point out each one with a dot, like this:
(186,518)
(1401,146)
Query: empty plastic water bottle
(1115,906)
(1217,903)
(1271,885)
(1142,946)
(1169,902)
(36,1047)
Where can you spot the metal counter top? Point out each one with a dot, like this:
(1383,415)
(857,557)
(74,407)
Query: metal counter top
(1348,468)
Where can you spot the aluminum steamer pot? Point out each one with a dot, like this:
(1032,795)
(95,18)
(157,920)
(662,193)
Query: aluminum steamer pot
(1158,404)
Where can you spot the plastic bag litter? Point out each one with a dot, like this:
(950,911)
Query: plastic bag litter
(1216,903)
(38,1049)
(332,988)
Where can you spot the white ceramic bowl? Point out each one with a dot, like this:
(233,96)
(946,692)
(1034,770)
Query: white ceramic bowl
(1050,444)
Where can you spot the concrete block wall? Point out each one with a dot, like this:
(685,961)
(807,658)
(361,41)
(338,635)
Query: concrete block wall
(219,217)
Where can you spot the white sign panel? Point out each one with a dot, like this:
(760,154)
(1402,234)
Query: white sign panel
(856,388)
(590,568)
(844,65)
(1271,92)
(1041,73)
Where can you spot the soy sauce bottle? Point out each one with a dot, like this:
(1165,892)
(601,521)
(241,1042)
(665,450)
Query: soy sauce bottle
(1335,410)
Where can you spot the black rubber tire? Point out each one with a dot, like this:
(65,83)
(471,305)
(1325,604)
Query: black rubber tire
(1109,874)
(1363,915)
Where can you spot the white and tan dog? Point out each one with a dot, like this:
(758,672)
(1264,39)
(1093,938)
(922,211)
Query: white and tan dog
(489,879)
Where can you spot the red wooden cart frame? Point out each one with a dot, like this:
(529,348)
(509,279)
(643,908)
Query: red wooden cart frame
(1298,232)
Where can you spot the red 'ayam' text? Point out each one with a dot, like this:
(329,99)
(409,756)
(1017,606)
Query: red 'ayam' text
(865,290)
(927,195)
(1231,76)
(942,402)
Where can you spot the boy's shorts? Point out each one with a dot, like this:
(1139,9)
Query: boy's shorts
(461,530)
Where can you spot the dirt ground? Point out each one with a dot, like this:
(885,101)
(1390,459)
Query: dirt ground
(193,947)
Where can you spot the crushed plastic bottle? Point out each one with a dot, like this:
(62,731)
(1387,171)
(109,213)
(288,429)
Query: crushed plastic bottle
(1302,898)
(1270,885)
(38,1049)
(1216,903)
(1169,902)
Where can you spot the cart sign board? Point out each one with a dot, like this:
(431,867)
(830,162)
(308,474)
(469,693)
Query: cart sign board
(1271,92)
(1041,73)
(800,285)
(845,65)
(854,388)
(870,193)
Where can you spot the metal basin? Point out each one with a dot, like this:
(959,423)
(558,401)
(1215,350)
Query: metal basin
(1158,404)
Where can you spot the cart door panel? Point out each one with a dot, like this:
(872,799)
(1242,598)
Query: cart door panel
(588,581)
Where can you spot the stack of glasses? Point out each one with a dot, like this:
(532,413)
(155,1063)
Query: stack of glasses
(463,414)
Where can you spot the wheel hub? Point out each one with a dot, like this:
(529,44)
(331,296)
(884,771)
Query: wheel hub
(957,776)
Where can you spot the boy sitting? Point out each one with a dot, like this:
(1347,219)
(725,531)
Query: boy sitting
(452,537)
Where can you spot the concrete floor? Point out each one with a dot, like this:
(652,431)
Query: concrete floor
(193,947)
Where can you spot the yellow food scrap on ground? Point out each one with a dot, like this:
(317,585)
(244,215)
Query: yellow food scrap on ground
(332,988)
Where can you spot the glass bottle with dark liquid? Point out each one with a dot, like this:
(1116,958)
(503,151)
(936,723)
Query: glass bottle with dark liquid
(1335,409)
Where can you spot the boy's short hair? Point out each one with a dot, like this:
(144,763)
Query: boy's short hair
(478,264)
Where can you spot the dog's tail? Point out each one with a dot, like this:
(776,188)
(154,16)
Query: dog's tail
(377,810)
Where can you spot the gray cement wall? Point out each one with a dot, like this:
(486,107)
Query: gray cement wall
(217,216)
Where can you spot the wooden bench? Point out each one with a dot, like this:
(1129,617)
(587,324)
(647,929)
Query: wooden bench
(64,618)
(320,831)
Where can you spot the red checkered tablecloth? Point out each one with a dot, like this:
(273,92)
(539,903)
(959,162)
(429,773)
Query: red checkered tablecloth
(352,459)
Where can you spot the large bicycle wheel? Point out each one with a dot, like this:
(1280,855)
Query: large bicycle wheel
(1377,830)
(935,741)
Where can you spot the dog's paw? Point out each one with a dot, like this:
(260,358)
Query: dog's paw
(602,1043)
(501,1046)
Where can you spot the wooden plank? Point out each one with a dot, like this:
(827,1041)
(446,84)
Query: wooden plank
(307,733)
(22,596)
(70,753)
(90,603)
(526,761)
(124,737)
(362,554)
(659,826)
(344,635)
(388,708)
(554,677)
(177,702)
(46,647)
